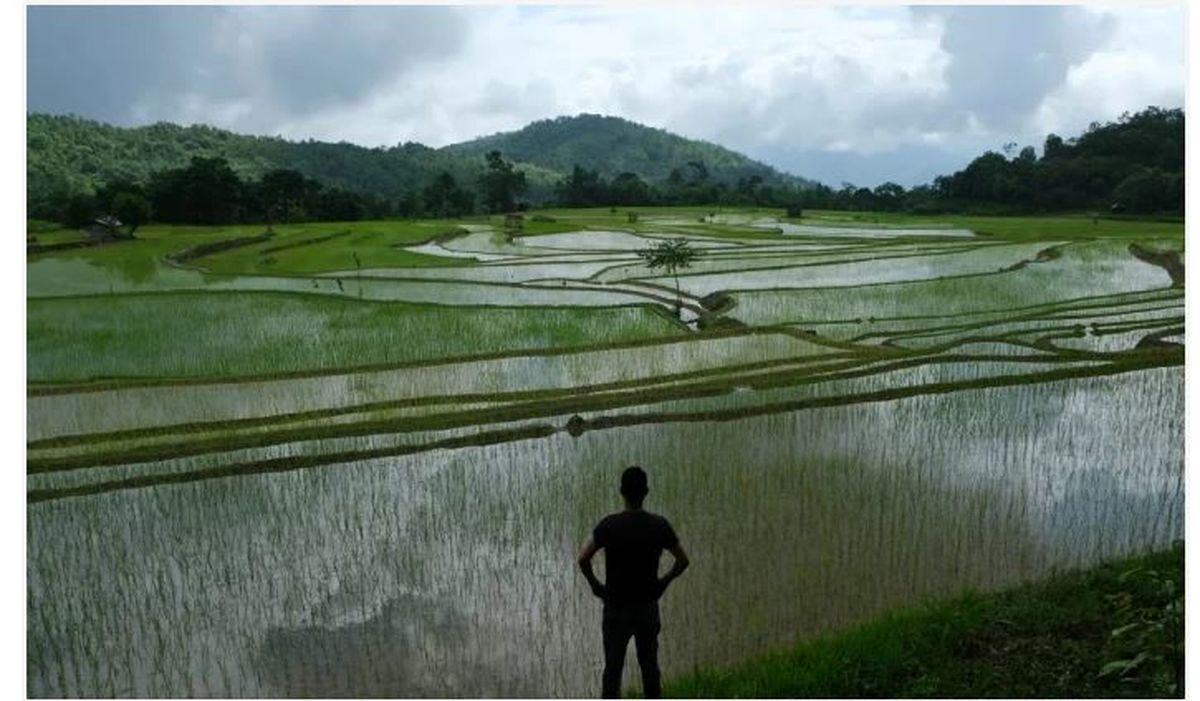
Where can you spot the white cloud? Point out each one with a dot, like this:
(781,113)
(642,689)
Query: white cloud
(1142,65)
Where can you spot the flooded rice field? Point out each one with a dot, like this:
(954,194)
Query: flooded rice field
(894,416)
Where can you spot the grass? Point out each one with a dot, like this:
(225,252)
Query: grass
(1084,269)
(229,334)
(542,406)
(1036,227)
(1044,639)
(1070,226)
(377,244)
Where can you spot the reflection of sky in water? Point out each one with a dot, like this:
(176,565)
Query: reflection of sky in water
(807,230)
(1067,278)
(885,270)
(54,277)
(119,409)
(452,572)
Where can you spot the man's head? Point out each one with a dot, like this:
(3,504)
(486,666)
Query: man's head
(633,485)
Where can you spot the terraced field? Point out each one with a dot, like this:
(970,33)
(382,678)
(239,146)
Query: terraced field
(357,459)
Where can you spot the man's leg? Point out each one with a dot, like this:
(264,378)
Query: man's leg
(646,638)
(617,631)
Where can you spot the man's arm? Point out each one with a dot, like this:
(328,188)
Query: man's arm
(677,567)
(585,564)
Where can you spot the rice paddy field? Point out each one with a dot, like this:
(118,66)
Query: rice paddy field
(336,461)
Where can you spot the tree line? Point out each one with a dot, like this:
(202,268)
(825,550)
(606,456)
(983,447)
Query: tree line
(1134,165)
(68,156)
(209,192)
(692,185)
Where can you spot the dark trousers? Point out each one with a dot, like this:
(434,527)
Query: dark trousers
(640,622)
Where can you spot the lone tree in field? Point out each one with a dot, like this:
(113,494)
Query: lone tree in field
(131,208)
(501,184)
(671,255)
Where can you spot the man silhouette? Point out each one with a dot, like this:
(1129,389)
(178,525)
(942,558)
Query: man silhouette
(633,541)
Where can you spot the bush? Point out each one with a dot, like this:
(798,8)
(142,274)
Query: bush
(40,226)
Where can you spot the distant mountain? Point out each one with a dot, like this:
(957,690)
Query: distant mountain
(612,146)
(68,154)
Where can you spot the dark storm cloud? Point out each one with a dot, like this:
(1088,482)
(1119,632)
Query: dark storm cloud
(97,61)
(281,62)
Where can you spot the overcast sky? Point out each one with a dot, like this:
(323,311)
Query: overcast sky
(834,93)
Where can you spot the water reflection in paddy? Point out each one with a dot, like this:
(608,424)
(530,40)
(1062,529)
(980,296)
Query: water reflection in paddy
(452,572)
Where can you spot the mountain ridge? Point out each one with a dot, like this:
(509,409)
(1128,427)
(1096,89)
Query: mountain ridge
(72,154)
(548,142)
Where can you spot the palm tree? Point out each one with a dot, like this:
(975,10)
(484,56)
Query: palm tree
(671,255)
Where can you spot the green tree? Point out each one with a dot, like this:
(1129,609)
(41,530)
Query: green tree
(1149,191)
(444,198)
(131,208)
(582,188)
(79,210)
(206,192)
(889,196)
(627,189)
(670,256)
(283,191)
(501,184)
(1053,147)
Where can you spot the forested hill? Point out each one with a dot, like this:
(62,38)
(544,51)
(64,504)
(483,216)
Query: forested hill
(69,155)
(1134,165)
(611,146)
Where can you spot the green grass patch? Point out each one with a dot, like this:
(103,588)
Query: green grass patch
(1036,228)
(378,244)
(49,233)
(326,247)
(1083,269)
(190,334)
(1045,639)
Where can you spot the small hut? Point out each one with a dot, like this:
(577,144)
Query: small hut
(105,228)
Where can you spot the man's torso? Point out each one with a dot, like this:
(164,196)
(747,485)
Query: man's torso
(633,542)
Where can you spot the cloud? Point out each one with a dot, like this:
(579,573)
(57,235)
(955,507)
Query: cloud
(1134,70)
(869,94)
(1003,61)
(252,66)
(98,61)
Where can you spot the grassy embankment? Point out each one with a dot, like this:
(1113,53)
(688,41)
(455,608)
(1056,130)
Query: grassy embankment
(1042,226)
(1033,227)
(84,338)
(293,249)
(1053,638)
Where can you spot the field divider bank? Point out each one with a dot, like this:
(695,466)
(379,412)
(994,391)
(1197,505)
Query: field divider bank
(602,422)
(114,383)
(206,437)
(543,408)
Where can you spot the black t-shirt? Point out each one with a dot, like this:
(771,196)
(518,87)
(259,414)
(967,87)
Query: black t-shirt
(633,541)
